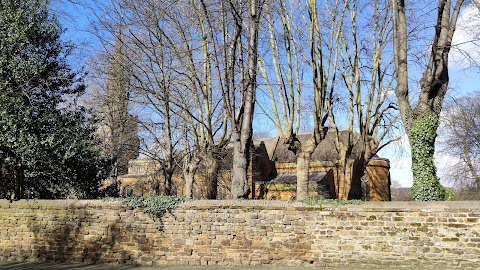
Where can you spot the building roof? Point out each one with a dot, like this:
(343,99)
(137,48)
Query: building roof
(278,151)
(270,144)
(291,178)
(325,151)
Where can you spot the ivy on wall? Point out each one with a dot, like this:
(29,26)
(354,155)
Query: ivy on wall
(426,184)
(155,206)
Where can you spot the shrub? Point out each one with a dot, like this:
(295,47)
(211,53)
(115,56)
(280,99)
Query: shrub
(155,206)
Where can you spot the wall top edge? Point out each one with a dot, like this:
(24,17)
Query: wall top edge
(395,206)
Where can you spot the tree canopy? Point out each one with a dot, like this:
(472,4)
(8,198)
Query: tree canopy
(46,140)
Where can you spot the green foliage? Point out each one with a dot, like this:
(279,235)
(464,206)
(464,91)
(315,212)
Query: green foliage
(46,139)
(426,185)
(316,201)
(156,206)
(449,194)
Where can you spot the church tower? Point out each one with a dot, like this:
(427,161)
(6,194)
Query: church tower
(120,127)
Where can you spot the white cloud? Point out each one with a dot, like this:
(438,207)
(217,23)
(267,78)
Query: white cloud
(391,93)
(402,176)
(398,152)
(401,168)
(401,162)
(466,40)
(401,171)
(444,163)
(443,160)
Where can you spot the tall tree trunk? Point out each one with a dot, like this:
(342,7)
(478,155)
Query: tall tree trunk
(303,165)
(243,136)
(189,172)
(371,145)
(346,184)
(212,167)
(169,162)
(19,175)
(189,180)
(344,181)
(240,188)
(303,153)
(168,186)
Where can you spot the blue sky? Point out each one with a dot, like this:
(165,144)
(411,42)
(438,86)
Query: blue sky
(76,18)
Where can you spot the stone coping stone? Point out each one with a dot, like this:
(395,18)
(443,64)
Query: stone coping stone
(396,206)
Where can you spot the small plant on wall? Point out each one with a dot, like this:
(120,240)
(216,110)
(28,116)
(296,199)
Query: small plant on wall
(156,206)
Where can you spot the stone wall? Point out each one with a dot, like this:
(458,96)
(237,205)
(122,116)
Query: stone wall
(441,235)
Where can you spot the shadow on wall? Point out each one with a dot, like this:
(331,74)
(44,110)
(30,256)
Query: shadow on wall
(57,266)
(81,236)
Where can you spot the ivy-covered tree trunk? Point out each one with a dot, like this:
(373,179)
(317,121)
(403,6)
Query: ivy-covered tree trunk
(421,121)
(426,184)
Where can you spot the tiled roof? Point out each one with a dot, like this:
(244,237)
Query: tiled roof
(291,178)
(325,151)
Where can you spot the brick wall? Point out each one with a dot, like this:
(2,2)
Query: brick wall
(442,235)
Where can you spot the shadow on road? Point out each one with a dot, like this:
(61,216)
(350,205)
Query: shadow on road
(60,266)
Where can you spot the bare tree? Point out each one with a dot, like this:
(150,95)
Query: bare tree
(370,115)
(338,60)
(154,79)
(206,116)
(240,107)
(290,62)
(284,90)
(459,139)
(175,50)
(191,161)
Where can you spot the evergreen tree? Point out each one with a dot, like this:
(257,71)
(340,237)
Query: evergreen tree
(46,142)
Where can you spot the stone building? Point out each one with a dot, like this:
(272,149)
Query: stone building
(272,174)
